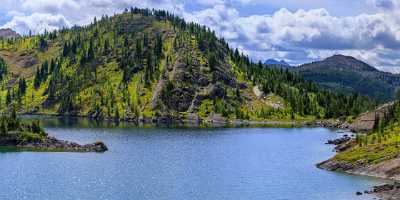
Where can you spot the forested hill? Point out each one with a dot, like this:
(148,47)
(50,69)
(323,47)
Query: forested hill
(151,64)
(347,74)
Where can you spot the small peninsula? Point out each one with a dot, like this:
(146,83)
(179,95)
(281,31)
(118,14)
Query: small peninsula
(16,135)
(374,151)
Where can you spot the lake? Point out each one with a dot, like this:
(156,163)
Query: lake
(180,164)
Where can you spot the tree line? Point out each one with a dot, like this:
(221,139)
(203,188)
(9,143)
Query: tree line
(125,40)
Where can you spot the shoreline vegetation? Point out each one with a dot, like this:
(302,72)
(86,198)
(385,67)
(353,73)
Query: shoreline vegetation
(374,152)
(16,135)
(209,122)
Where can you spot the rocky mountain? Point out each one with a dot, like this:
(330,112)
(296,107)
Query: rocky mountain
(276,62)
(148,65)
(347,74)
(8,34)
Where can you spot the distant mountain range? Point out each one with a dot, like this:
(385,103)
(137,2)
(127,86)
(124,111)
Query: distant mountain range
(276,62)
(347,74)
(8,34)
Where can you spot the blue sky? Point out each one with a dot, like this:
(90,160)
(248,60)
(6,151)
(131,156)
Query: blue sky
(297,31)
(337,7)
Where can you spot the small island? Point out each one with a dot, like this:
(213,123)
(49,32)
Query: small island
(16,135)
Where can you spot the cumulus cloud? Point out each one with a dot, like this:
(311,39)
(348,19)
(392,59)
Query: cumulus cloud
(50,6)
(311,34)
(297,36)
(73,12)
(37,22)
(385,4)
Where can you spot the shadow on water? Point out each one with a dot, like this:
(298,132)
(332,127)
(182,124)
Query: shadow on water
(83,122)
(9,150)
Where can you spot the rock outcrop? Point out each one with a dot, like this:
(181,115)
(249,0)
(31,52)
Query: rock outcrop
(49,143)
(342,144)
(335,165)
(331,124)
(339,141)
(53,144)
(386,191)
(367,121)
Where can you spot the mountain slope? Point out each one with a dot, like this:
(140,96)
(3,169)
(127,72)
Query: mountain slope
(8,34)
(347,74)
(146,64)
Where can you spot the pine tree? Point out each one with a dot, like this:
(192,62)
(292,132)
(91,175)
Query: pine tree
(21,87)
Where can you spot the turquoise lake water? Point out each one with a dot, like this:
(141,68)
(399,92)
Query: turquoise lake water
(180,164)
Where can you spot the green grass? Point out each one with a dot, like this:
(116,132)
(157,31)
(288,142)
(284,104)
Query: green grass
(374,147)
(31,137)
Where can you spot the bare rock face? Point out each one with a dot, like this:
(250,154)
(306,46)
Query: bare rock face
(386,191)
(26,60)
(367,121)
(8,34)
(335,165)
(180,99)
(217,91)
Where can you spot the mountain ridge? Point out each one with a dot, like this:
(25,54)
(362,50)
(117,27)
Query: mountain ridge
(341,60)
(8,33)
(272,61)
(349,75)
(150,64)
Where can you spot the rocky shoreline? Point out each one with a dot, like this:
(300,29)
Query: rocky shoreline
(51,144)
(387,170)
(386,191)
(382,170)
(342,143)
(336,124)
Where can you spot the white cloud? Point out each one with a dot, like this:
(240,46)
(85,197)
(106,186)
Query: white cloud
(47,6)
(311,34)
(37,22)
(34,14)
